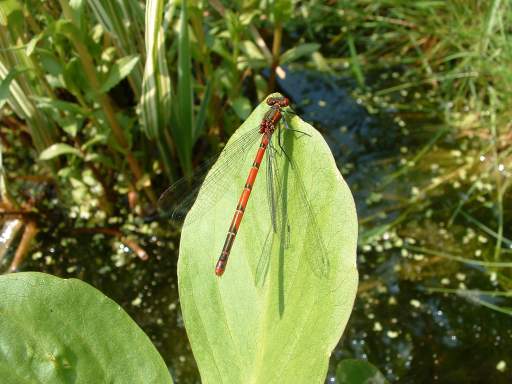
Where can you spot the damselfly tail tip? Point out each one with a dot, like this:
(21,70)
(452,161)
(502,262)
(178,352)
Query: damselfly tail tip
(220,267)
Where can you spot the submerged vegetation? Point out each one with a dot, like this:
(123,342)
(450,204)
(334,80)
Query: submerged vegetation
(105,103)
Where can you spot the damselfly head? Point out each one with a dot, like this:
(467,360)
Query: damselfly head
(280,101)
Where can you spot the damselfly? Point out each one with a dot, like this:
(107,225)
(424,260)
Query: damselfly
(274,121)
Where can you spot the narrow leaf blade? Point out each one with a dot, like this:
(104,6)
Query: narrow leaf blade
(299,51)
(58,149)
(119,71)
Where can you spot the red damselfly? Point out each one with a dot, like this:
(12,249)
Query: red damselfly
(274,121)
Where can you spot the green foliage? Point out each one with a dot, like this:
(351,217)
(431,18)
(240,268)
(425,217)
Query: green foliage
(155,102)
(65,331)
(71,61)
(119,71)
(352,371)
(124,21)
(184,129)
(58,149)
(5,84)
(272,316)
(199,70)
(300,51)
(444,67)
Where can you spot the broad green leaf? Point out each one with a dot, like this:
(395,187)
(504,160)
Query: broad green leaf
(299,51)
(272,317)
(119,71)
(58,149)
(56,331)
(353,371)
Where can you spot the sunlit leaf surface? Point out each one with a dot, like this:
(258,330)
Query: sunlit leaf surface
(273,317)
(55,331)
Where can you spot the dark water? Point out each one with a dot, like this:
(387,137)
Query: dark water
(411,335)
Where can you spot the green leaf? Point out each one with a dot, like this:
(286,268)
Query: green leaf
(5,85)
(59,149)
(50,63)
(242,107)
(277,316)
(155,102)
(32,44)
(353,371)
(203,109)
(64,106)
(8,10)
(67,29)
(65,331)
(297,52)
(119,71)
(282,10)
(124,21)
(101,159)
(184,132)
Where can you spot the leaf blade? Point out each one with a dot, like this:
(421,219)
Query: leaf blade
(59,149)
(286,329)
(60,331)
(121,68)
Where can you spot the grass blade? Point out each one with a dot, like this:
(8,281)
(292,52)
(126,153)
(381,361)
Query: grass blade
(124,20)
(184,132)
(155,102)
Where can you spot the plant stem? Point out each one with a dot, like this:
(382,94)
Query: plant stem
(136,248)
(276,54)
(28,234)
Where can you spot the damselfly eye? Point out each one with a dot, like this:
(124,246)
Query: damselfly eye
(279,101)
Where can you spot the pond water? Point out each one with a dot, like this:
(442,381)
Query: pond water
(412,335)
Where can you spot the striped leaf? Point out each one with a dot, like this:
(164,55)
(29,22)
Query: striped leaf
(18,98)
(155,102)
(21,89)
(124,21)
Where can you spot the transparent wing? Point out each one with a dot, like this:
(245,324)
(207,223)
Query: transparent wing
(280,228)
(177,200)
(319,260)
(272,186)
